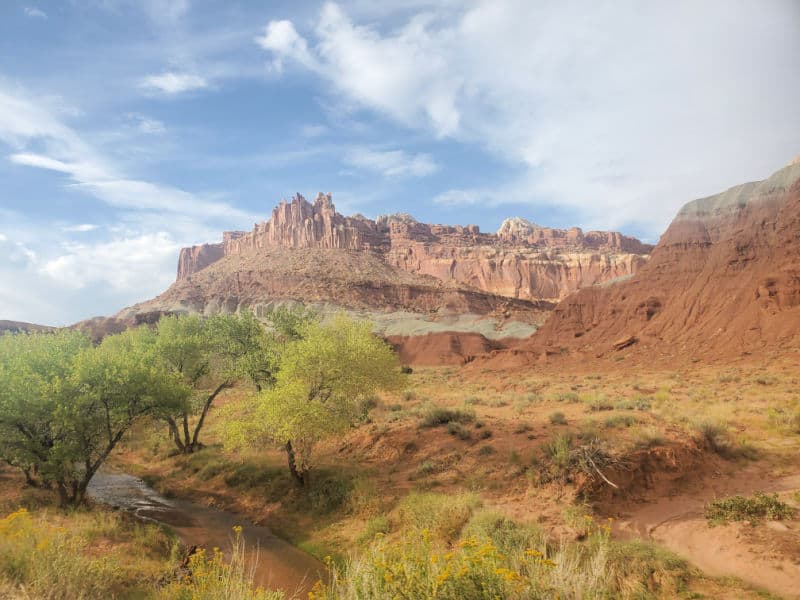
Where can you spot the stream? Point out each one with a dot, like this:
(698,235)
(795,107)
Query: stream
(276,563)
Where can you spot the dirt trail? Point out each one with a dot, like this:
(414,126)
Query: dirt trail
(277,564)
(756,555)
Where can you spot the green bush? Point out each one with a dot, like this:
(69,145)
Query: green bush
(754,509)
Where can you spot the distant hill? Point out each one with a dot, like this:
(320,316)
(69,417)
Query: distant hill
(20,327)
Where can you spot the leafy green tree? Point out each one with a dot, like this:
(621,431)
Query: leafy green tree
(65,405)
(211,355)
(323,379)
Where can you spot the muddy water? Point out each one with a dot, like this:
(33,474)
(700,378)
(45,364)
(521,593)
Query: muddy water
(277,564)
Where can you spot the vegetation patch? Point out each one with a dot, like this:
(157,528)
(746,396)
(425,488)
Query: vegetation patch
(756,508)
(440,415)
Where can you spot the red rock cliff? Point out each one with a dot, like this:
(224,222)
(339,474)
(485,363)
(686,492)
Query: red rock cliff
(724,279)
(522,260)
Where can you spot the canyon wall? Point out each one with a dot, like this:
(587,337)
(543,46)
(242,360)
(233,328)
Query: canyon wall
(523,260)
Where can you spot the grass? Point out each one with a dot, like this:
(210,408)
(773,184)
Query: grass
(495,557)
(441,515)
(753,509)
(375,526)
(46,554)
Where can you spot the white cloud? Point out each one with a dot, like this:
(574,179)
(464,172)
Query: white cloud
(3,237)
(174,83)
(392,163)
(282,38)
(611,110)
(127,265)
(35,13)
(80,228)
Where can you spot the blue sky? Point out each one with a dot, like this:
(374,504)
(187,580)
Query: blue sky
(130,128)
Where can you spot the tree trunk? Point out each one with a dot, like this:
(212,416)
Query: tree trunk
(300,477)
(195,443)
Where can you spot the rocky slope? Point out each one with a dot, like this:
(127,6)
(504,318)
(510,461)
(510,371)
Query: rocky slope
(724,280)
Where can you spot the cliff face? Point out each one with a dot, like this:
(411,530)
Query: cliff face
(522,260)
(723,280)
(197,258)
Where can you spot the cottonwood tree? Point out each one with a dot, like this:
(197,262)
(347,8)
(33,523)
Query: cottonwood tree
(210,355)
(323,379)
(65,405)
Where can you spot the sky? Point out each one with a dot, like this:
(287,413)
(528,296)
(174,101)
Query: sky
(131,128)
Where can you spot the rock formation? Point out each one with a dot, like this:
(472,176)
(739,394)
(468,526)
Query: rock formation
(723,280)
(522,260)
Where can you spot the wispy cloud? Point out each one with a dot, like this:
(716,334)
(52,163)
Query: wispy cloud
(34,13)
(392,163)
(599,107)
(174,83)
(147,125)
(80,228)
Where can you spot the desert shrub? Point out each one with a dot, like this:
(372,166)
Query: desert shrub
(589,431)
(766,380)
(786,419)
(558,418)
(440,514)
(570,397)
(497,403)
(473,401)
(459,431)
(486,451)
(376,525)
(754,509)
(523,427)
(426,467)
(597,402)
(557,450)
(484,434)
(406,370)
(211,577)
(619,421)
(440,415)
(662,395)
(409,395)
(716,435)
(648,437)
(640,403)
